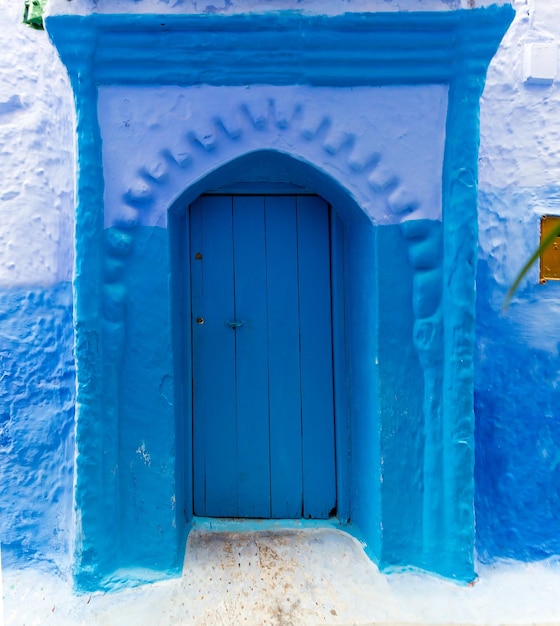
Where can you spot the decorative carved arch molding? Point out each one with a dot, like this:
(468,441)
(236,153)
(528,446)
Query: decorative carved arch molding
(183,151)
(110,58)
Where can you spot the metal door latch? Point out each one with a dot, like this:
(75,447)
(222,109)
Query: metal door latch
(235,325)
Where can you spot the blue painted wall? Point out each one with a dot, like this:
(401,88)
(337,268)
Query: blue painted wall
(386,391)
(401,390)
(146,454)
(37,392)
(516,406)
(362,338)
(385,383)
(517,390)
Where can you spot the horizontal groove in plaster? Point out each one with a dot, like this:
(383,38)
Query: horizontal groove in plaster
(351,49)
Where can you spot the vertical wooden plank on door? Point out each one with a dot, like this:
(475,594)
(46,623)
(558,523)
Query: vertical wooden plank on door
(253,438)
(215,448)
(319,482)
(284,363)
(339,368)
(197,304)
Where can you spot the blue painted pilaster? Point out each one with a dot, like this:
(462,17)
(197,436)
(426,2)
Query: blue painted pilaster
(95,502)
(458,304)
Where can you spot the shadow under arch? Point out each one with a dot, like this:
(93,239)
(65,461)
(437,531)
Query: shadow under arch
(355,326)
(274,166)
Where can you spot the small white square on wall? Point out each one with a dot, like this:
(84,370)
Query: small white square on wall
(540,63)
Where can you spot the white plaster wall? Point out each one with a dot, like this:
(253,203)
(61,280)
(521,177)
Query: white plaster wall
(36,156)
(520,121)
(520,163)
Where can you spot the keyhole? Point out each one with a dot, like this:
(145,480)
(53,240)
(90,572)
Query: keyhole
(200,320)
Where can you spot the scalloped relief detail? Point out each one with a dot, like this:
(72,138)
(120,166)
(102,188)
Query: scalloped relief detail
(384,145)
(387,154)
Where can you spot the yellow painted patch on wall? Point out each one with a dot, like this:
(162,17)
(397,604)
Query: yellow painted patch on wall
(550,256)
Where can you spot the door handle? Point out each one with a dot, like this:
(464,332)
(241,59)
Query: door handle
(235,325)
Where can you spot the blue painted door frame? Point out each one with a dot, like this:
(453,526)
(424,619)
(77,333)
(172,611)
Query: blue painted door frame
(447,47)
(263,405)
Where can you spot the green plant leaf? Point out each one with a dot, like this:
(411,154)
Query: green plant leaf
(546,242)
(33,13)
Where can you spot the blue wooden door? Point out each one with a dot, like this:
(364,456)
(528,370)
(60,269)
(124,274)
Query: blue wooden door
(263,417)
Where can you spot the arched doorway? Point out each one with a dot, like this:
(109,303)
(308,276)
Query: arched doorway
(405,333)
(319,235)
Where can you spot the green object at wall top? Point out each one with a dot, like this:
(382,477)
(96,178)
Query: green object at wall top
(33,13)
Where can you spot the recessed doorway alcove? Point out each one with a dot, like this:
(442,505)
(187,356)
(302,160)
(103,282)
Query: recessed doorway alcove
(274,281)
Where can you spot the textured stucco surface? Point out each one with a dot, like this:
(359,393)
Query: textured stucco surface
(156,142)
(518,425)
(517,357)
(37,387)
(36,157)
(37,392)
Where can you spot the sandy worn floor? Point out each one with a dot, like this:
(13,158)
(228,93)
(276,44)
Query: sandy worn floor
(289,578)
